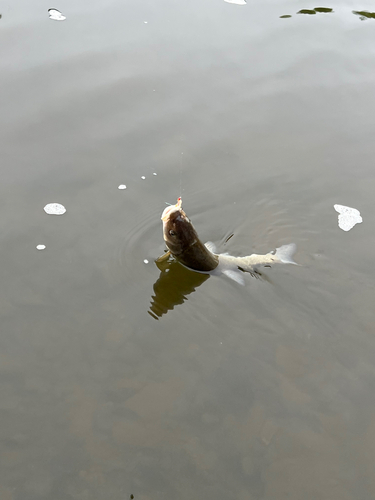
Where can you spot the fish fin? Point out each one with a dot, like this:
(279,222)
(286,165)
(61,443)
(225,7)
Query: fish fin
(211,246)
(285,253)
(235,276)
(163,257)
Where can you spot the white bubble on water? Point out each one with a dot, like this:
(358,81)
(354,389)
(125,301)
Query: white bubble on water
(40,247)
(54,209)
(154,173)
(348,217)
(56,15)
(143,177)
(122,186)
(237,2)
(145,261)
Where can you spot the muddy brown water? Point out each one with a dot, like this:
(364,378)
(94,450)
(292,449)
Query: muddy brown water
(118,378)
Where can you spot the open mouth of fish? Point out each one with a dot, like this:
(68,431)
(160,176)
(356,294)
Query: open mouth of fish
(168,211)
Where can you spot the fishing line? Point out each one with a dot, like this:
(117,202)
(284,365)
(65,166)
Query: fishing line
(181,158)
(182,154)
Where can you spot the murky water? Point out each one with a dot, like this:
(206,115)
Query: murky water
(118,378)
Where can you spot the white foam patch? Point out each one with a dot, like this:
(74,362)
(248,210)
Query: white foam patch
(348,217)
(237,2)
(54,209)
(40,247)
(122,186)
(143,177)
(56,15)
(145,261)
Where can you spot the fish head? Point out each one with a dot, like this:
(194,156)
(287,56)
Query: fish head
(179,233)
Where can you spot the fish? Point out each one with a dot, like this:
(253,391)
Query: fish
(184,245)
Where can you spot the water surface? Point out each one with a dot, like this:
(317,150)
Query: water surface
(263,124)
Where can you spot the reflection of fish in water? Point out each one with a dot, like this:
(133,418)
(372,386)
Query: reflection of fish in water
(172,288)
(185,246)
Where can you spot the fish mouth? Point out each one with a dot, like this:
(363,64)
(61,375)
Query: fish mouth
(169,210)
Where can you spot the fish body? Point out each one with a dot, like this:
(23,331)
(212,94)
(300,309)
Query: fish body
(185,246)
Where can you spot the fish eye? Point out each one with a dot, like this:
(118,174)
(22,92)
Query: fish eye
(171,232)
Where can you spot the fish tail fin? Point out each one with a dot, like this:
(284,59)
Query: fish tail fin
(285,253)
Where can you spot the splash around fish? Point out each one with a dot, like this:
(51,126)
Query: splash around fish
(184,245)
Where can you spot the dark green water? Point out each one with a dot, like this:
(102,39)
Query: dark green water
(262,392)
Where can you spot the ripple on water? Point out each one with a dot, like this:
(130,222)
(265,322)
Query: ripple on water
(142,242)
